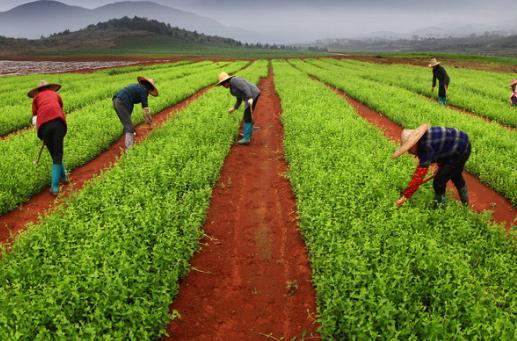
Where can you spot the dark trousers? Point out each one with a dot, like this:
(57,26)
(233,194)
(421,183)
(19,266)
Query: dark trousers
(53,133)
(248,117)
(451,169)
(124,115)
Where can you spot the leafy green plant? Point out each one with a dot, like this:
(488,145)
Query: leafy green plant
(483,93)
(494,147)
(78,90)
(380,272)
(90,131)
(107,264)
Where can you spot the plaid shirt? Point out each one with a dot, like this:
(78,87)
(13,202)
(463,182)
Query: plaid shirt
(440,143)
(437,144)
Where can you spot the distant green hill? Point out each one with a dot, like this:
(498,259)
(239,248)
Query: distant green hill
(138,36)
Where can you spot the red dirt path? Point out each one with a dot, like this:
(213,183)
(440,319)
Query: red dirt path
(14,222)
(251,280)
(482,198)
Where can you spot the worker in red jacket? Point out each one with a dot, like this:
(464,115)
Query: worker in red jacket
(50,122)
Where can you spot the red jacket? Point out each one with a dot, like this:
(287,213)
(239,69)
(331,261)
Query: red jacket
(48,106)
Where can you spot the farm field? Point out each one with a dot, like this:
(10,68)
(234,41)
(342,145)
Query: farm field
(493,161)
(483,93)
(189,234)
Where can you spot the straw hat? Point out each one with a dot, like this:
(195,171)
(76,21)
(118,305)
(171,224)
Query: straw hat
(42,85)
(434,62)
(409,138)
(223,77)
(514,82)
(149,81)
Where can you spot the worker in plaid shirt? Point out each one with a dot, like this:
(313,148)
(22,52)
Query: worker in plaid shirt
(448,147)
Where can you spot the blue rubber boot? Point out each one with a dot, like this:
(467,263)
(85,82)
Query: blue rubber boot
(248,129)
(56,174)
(63,175)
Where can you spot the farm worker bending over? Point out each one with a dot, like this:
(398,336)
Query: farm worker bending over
(443,80)
(513,97)
(124,101)
(448,147)
(244,91)
(50,122)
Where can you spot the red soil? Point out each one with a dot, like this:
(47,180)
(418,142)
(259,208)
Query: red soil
(481,197)
(252,279)
(14,222)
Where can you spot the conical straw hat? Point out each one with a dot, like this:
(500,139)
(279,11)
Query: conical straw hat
(514,82)
(42,85)
(409,138)
(150,81)
(434,62)
(223,77)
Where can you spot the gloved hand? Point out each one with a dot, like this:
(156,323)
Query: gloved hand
(34,120)
(250,102)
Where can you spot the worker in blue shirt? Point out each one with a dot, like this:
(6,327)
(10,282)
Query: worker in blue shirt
(124,101)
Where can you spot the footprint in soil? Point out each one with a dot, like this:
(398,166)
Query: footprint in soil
(292,287)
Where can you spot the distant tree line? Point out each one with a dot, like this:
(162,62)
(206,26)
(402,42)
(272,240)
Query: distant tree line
(163,29)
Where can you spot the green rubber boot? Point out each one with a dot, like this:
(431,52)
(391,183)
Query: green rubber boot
(248,129)
(56,174)
(63,175)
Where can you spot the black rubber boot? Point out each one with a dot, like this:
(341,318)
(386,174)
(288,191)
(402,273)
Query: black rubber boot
(439,200)
(464,195)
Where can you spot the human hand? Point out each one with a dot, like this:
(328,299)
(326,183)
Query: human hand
(400,202)
(250,102)
(147,116)
(232,109)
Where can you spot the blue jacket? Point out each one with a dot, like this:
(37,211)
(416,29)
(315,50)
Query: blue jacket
(133,94)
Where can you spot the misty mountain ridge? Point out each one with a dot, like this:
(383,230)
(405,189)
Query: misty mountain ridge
(119,36)
(44,17)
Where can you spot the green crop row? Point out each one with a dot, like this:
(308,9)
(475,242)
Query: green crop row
(79,92)
(107,265)
(383,273)
(493,147)
(90,131)
(494,84)
(470,90)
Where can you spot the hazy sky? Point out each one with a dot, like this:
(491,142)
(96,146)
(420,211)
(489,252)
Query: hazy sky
(304,20)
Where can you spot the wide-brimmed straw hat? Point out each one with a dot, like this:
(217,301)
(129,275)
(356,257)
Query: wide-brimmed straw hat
(153,91)
(223,77)
(434,62)
(409,138)
(512,83)
(43,85)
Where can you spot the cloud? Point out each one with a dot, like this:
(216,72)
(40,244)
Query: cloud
(305,20)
